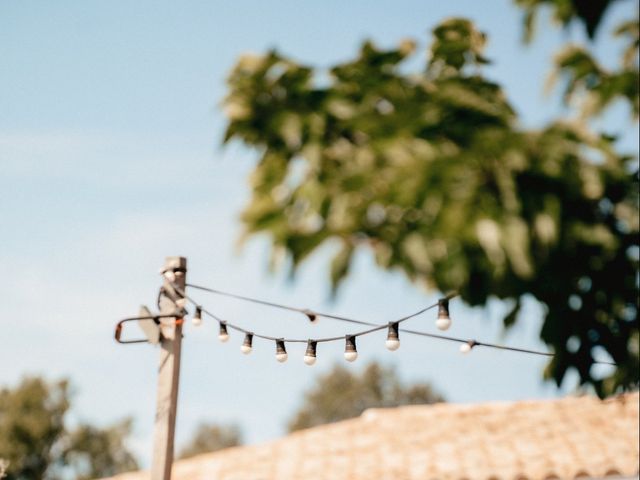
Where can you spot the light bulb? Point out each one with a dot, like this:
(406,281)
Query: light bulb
(223,335)
(351,356)
(392,345)
(197,317)
(310,354)
(169,275)
(281,351)
(393,338)
(443,321)
(467,346)
(350,351)
(247,345)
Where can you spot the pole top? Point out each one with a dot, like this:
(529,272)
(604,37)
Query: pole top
(175,263)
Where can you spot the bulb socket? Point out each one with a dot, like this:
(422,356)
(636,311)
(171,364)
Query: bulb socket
(311,316)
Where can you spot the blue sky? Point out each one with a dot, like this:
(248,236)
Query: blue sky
(110,159)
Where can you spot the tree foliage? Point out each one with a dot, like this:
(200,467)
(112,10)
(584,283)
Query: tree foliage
(100,452)
(36,443)
(31,425)
(588,12)
(431,171)
(210,437)
(341,394)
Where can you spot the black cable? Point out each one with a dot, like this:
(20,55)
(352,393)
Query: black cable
(377,327)
(304,311)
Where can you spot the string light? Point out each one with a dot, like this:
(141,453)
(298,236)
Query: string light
(305,311)
(443,322)
(350,351)
(281,351)
(197,317)
(247,344)
(223,335)
(310,353)
(467,346)
(393,338)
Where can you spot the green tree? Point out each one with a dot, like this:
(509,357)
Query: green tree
(210,437)
(36,443)
(95,452)
(431,171)
(341,394)
(31,425)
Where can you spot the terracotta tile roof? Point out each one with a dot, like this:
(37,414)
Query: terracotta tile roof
(575,437)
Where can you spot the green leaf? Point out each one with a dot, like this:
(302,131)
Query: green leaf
(340,265)
(510,318)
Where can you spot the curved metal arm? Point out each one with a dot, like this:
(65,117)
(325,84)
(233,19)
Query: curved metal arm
(155,318)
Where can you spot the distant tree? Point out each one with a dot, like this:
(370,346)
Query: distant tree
(210,437)
(94,452)
(36,443)
(31,427)
(341,394)
(433,173)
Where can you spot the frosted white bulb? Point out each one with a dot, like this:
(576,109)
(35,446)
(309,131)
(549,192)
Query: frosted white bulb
(169,275)
(223,337)
(443,323)
(247,344)
(196,321)
(181,302)
(465,348)
(282,357)
(350,356)
(392,344)
(309,360)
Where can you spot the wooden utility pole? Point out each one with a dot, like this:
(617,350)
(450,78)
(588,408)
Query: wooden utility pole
(175,269)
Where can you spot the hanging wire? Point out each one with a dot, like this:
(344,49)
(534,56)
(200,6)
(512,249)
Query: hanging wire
(304,311)
(376,327)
